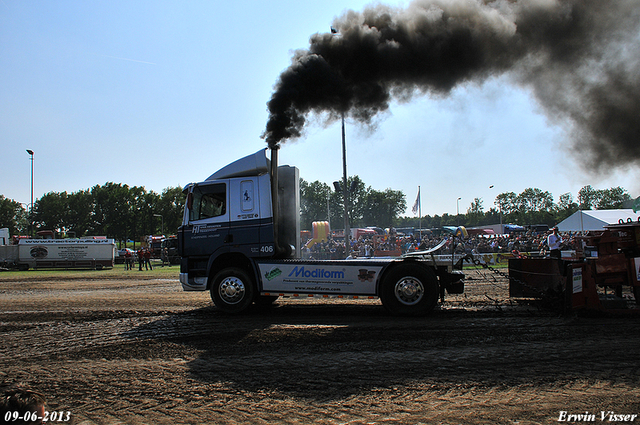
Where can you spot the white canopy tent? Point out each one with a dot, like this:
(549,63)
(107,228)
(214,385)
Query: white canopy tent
(595,219)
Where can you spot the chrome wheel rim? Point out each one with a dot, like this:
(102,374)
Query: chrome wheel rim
(231,290)
(409,290)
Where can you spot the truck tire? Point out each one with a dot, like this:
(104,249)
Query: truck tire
(409,290)
(232,290)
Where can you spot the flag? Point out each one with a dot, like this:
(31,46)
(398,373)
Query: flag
(416,204)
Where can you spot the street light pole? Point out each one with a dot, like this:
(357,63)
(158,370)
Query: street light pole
(30,152)
(458,211)
(345,193)
(345,190)
(499,212)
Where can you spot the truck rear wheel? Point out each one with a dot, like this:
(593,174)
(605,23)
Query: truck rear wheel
(409,290)
(232,290)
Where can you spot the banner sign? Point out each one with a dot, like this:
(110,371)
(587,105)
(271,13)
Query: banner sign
(319,278)
(577,280)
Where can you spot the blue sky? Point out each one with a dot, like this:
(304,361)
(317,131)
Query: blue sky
(159,94)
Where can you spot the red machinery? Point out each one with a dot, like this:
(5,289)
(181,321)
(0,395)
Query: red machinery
(605,268)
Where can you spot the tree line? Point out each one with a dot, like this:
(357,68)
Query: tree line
(320,202)
(370,207)
(114,210)
(129,213)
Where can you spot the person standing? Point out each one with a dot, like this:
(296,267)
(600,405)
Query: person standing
(140,259)
(147,259)
(554,240)
(128,260)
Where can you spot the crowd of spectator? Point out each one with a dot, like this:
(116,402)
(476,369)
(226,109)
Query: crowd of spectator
(529,242)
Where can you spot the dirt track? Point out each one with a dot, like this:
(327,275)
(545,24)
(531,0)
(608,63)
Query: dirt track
(141,351)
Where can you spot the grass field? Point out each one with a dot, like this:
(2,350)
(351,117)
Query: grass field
(117,272)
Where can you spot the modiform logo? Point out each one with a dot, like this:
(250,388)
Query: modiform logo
(316,273)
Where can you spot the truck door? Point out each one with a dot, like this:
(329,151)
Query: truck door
(247,224)
(206,230)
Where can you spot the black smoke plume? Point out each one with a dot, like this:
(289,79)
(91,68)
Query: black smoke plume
(581,58)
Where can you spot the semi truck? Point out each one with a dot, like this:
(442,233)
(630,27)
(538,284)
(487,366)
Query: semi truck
(240,240)
(169,249)
(154,245)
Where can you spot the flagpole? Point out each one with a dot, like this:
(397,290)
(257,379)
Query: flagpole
(420,212)
(417,206)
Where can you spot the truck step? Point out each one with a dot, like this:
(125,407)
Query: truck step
(294,295)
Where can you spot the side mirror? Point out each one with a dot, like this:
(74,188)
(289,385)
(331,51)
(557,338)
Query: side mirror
(190,200)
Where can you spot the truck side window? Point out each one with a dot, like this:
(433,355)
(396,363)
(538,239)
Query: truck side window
(208,201)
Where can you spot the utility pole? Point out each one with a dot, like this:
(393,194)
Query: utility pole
(345,193)
(30,152)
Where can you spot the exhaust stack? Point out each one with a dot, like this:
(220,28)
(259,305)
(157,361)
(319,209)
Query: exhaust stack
(275,205)
(285,200)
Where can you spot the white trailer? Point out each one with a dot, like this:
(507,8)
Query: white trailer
(8,256)
(4,236)
(66,253)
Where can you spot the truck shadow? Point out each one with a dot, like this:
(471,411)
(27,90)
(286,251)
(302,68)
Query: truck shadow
(333,351)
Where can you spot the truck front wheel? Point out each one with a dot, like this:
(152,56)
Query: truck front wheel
(232,290)
(409,290)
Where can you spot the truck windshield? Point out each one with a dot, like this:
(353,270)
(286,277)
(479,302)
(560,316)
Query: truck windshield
(208,201)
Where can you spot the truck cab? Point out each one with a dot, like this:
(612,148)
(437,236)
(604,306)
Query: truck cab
(228,219)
